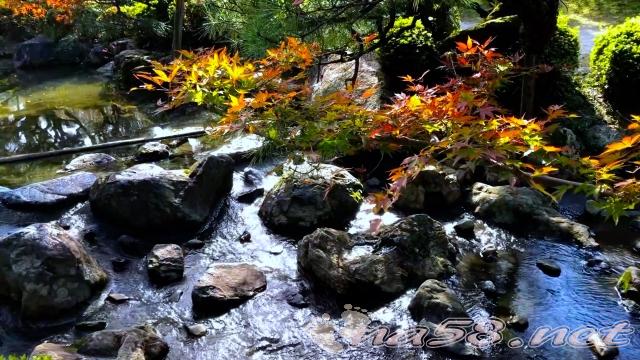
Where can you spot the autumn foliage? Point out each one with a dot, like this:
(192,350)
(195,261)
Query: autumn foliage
(62,11)
(457,124)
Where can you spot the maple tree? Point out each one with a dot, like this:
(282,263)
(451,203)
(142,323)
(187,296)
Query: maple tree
(61,10)
(458,124)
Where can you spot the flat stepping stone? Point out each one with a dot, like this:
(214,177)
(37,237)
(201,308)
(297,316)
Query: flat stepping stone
(51,193)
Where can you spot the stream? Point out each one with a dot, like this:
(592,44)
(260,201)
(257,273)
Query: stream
(68,108)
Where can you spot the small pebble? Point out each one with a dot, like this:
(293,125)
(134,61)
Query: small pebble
(197,330)
(518,323)
(276,250)
(245,237)
(118,298)
(489,253)
(488,287)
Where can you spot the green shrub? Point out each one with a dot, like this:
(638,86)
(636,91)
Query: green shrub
(564,48)
(25,357)
(615,65)
(411,52)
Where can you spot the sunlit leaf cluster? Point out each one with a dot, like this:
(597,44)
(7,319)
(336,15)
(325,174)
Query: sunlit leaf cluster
(457,124)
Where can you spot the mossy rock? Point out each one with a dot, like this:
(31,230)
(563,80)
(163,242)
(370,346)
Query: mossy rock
(615,65)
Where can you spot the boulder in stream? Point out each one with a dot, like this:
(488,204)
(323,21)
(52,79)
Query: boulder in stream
(407,252)
(227,285)
(165,263)
(95,161)
(431,189)
(148,199)
(136,343)
(47,271)
(310,196)
(526,209)
(51,193)
(435,302)
(153,151)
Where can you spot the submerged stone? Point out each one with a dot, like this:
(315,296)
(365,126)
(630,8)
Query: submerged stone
(549,268)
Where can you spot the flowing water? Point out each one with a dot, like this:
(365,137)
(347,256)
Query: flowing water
(51,111)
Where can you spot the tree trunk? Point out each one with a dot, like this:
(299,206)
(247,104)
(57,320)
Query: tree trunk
(539,23)
(178,24)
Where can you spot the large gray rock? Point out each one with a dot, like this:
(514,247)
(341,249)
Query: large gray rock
(335,77)
(35,52)
(96,161)
(165,263)
(629,284)
(226,285)
(51,193)
(431,189)
(148,199)
(47,271)
(136,343)
(311,196)
(525,208)
(407,252)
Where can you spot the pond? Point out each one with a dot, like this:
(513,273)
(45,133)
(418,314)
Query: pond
(66,108)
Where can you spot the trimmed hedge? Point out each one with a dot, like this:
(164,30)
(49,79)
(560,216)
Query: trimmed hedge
(615,65)
(564,49)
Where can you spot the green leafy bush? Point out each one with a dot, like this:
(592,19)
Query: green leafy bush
(564,49)
(25,357)
(615,64)
(410,51)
